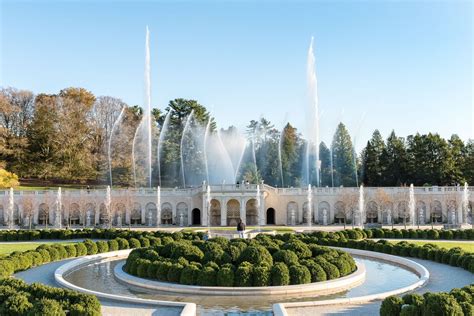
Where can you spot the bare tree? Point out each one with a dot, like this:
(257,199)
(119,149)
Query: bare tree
(350,200)
(28,211)
(383,200)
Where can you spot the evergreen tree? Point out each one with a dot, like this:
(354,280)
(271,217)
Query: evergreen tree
(343,158)
(325,157)
(290,155)
(373,165)
(394,160)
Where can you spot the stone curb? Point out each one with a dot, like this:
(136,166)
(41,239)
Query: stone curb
(189,309)
(279,309)
(328,287)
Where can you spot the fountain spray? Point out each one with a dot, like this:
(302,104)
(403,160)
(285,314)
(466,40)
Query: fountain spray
(361,205)
(310,206)
(158,206)
(58,208)
(465,202)
(411,205)
(258,197)
(147,115)
(11,207)
(108,204)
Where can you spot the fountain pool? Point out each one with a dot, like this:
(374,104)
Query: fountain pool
(99,276)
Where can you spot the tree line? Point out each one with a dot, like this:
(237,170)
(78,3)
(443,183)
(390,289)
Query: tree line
(65,137)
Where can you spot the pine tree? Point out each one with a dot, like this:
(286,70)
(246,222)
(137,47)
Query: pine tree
(373,160)
(343,157)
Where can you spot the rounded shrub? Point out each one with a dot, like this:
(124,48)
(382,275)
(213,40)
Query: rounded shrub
(280,274)
(225,277)
(261,275)
(256,255)
(391,306)
(47,307)
(90,246)
(113,245)
(207,277)
(243,274)
(440,304)
(102,246)
(299,274)
(134,243)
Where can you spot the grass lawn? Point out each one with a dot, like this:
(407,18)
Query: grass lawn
(466,246)
(7,248)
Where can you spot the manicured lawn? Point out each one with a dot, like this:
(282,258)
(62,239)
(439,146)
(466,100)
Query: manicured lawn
(7,248)
(466,246)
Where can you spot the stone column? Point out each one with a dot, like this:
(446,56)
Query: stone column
(243,211)
(261,215)
(173,216)
(204,217)
(223,203)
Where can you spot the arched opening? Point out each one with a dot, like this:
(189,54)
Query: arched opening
(452,214)
(436,212)
(196,214)
(271,216)
(120,214)
(324,213)
(74,214)
(420,213)
(387,213)
(215,213)
(372,212)
(251,212)
(150,214)
(403,212)
(340,213)
(307,213)
(43,214)
(90,215)
(182,214)
(166,214)
(292,213)
(233,212)
(136,215)
(103,215)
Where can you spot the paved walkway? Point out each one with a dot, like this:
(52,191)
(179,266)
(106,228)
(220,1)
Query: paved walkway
(45,274)
(442,278)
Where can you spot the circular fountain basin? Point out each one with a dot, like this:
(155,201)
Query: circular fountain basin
(324,288)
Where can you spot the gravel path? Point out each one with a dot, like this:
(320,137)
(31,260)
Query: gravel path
(442,278)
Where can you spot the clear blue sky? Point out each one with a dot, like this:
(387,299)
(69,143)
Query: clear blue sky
(400,65)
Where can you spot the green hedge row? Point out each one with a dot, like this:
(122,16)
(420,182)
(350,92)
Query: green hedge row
(263,261)
(455,256)
(64,234)
(19,298)
(457,302)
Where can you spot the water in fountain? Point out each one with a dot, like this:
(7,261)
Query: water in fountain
(108,205)
(361,206)
(280,163)
(312,146)
(309,208)
(411,205)
(258,196)
(57,219)
(208,209)
(11,208)
(158,206)
(465,202)
(163,133)
(148,101)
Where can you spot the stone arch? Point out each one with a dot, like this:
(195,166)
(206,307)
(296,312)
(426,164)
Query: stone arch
(436,212)
(251,212)
(74,214)
(136,214)
(103,215)
(90,214)
(451,212)
(387,213)
(43,214)
(340,212)
(292,213)
(215,213)
(270,216)
(324,210)
(420,212)
(403,212)
(233,212)
(372,214)
(307,213)
(166,214)
(182,214)
(120,214)
(151,213)
(196,216)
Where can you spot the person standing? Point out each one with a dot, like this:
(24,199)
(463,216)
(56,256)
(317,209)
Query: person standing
(241,228)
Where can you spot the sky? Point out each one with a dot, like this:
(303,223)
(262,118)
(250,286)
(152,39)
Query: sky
(402,65)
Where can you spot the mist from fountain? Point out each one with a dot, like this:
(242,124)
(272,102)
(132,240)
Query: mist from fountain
(163,132)
(109,156)
(208,209)
(411,205)
(108,205)
(147,115)
(158,206)
(258,196)
(361,206)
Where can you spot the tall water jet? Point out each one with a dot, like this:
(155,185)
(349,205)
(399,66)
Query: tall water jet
(309,208)
(158,206)
(280,163)
(411,205)
(163,132)
(109,155)
(148,102)
(312,147)
(465,203)
(361,206)
(57,219)
(108,206)
(11,208)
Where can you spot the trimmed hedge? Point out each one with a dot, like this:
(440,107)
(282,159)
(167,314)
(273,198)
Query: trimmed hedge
(457,302)
(19,298)
(262,261)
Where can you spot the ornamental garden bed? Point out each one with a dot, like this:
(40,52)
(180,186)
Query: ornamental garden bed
(262,261)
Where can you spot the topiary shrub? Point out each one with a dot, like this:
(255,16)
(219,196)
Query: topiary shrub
(122,243)
(81,249)
(391,306)
(256,255)
(440,304)
(225,277)
(174,272)
(280,274)
(102,246)
(134,243)
(243,274)
(16,304)
(189,275)
(299,274)
(261,276)
(207,277)
(299,248)
(47,307)
(90,246)
(286,256)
